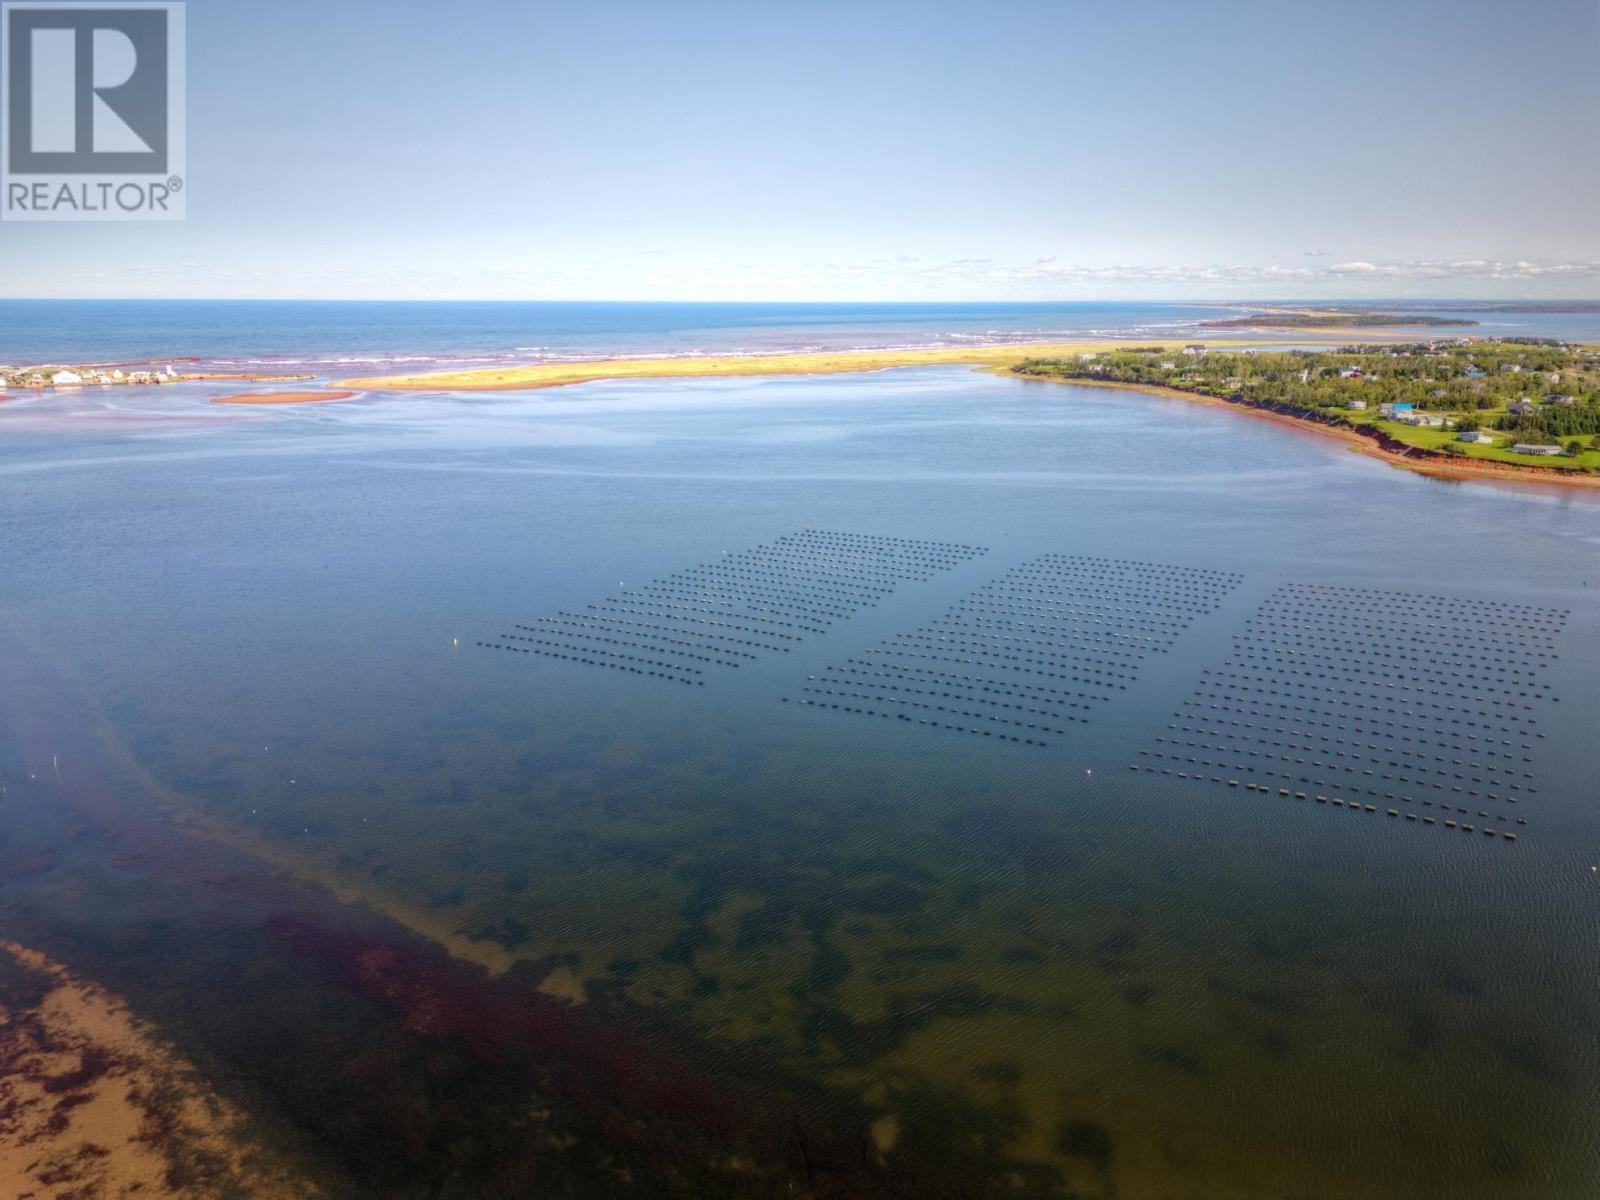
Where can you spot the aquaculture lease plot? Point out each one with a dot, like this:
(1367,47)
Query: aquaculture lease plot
(1027,654)
(1423,707)
(728,612)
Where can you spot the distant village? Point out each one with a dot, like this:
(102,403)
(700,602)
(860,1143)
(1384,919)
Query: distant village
(1507,399)
(64,377)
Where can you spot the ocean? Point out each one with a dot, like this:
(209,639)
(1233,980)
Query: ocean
(801,786)
(369,338)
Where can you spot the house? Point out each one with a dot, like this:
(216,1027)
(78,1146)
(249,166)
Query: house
(1520,408)
(117,375)
(66,379)
(1474,373)
(1477,437)
(1349,372)
(1421,419)
(1168,365)
(1400,408)
(1358,405)
(1525,448)
(1512,369)
(1562,401)
(1086,356)
(1194,350)
(103,378)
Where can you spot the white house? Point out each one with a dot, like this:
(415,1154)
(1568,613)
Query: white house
(1194,350)
(1477,437)
(1524,448)
(66,379)
(1424,419)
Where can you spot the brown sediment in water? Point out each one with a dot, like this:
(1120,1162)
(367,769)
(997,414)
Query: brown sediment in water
(93,1104)
(1407,458)
(282,397)
(659,1097)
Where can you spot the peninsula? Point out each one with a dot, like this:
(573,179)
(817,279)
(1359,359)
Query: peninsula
(526,377)
(1518,408)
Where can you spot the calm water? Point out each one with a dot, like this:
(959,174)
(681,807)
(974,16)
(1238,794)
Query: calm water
(345,337)
(815,951)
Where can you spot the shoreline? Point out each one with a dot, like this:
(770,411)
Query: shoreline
(537,376)
(1433,466)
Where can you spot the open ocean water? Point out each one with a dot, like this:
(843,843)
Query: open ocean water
(454,920)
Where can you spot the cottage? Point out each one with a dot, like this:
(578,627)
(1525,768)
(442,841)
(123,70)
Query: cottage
(1562,401)
(1168,365)
(66,379)
(1358,405)
(1349,372)
(1520,408)
(1421,419)
(1512,369)
(1474,373)
(1194,350)
(1525,448)
(1476,436)
(1396,410)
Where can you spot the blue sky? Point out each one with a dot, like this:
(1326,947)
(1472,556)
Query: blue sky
(868,150)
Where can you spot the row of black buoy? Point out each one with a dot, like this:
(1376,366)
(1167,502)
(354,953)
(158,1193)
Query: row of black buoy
(1057,620)
(1317,689)
(578,658)
(756,600)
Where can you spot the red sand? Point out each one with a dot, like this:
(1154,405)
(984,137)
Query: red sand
(281,397)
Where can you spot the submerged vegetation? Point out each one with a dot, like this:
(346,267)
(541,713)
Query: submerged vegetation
(1530,402)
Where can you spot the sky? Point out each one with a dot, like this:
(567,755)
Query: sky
(870,149)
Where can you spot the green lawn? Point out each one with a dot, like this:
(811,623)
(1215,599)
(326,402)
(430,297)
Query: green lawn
(1436,439)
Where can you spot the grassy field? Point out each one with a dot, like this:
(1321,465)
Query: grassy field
(1438,439)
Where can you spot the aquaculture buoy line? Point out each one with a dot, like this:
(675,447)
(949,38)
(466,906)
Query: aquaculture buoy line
(1361,700)
(1026,654)
(727,612)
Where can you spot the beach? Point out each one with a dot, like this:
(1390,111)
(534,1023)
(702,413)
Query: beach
(532,376)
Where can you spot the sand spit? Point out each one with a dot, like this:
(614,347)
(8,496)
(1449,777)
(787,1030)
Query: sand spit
(282,397)
(531,376)
(93,1105)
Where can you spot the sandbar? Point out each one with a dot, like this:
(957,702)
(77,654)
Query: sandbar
(530,376)
(282,398)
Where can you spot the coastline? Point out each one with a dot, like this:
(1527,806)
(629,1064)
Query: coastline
(536,376)
(1435,467)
